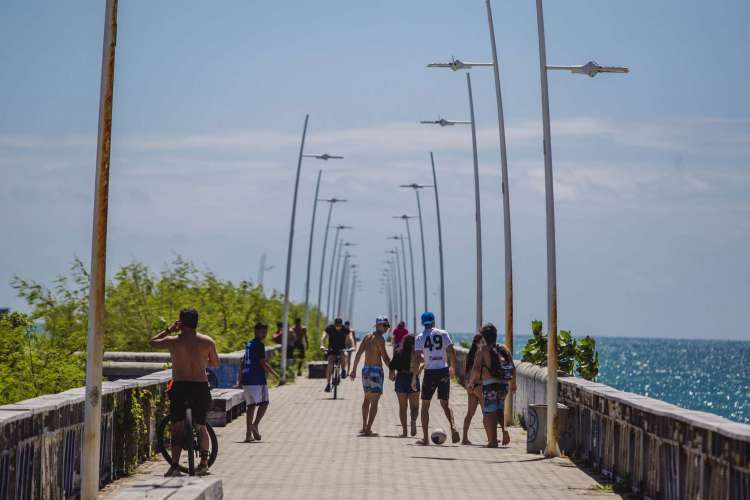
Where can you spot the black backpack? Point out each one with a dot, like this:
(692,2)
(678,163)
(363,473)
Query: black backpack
(500,368)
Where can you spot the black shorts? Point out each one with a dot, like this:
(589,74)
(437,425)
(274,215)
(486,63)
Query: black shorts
(439,380)
(299,347)
(196,395)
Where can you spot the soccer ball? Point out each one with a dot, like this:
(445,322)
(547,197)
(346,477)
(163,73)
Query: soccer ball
(439,436)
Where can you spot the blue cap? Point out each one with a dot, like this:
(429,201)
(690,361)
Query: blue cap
(428,318)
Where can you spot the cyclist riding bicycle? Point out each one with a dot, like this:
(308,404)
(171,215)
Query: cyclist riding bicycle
(191,353)
(337,335)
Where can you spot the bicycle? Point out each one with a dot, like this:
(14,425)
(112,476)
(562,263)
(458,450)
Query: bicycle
(190,440)
(336,374)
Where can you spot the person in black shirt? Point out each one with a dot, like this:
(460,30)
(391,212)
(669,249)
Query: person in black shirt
(337,335)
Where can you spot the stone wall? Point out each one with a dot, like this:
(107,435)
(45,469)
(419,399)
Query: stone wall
(40,438)
(653,448)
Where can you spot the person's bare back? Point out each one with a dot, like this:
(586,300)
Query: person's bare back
(191,355)
(374,348)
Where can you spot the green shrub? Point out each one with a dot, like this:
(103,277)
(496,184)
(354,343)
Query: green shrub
(572,355)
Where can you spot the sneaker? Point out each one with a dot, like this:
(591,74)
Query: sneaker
(328,388)
(202,469)
(343,374)
(174,471)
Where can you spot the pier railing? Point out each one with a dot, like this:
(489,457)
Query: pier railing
(650,447)
(40,438)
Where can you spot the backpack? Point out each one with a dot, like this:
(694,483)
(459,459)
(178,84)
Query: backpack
(499,367)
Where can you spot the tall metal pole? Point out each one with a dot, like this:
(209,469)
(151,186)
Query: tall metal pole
(350,315)
(287,280)
(394,289)
(424,259)
(95,336)
(406,285)
(331,202)
(506,205)
(262,269)
(440,243)
(397,272)
(310,247)
(330,272)
(335,283)
(344,274)
(477,213)
(552,449)
(413,287)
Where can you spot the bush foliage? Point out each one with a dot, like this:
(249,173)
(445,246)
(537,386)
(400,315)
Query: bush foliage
(37,350)
(572,355)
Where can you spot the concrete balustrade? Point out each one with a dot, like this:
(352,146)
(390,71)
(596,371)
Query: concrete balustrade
(651,447)
(40,438)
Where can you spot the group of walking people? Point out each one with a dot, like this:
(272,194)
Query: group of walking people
(420,366)
(488,376)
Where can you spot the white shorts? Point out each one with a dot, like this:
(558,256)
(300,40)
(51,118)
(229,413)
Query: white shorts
(255,394)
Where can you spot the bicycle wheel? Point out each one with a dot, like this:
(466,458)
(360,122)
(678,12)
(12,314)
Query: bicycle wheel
(163,442)
(336,380)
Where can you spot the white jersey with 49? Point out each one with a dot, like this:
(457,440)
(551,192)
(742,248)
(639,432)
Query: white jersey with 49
(433,343)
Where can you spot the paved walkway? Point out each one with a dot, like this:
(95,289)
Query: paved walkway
(310,450)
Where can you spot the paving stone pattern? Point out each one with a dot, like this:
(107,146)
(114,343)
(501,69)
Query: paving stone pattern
(310,449)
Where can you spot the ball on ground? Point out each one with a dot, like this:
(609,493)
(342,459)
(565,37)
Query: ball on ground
(439,436)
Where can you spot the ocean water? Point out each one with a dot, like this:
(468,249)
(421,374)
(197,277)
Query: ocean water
(705,375)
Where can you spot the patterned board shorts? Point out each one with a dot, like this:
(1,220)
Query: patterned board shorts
(372,379)
(493,397)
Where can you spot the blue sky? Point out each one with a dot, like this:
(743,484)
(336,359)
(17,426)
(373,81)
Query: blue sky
(651,168)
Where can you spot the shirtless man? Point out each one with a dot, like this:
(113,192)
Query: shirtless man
(373,347)
(300,344)
(192,353)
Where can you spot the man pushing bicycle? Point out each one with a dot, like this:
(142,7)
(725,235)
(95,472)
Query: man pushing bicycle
(191,353)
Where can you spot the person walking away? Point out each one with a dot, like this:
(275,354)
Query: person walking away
(291,341)
(434,348)
(252,379)
(399,333)
(373,347)
(336,335)
(406,391)
(300,345)
(475,393)
(494,366)
(192,353)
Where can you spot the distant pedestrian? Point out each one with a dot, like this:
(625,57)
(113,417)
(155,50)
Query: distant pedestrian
(399,333)
(494,367)
(291,340)
(300,344)
(407,383)
(475,392)
(252,378)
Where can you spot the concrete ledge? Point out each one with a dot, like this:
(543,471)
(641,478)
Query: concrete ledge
(173,488)
(226,405)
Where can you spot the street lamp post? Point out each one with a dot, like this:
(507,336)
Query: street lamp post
(95,336)
(416,187)
(591,69)
(456,65)
(333,264)
(324,157)
(406,281)
(440,242)
(331,202)
(262,268)
(345,272)
(406,218)
(397,274)
(340,268)
(477,211)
